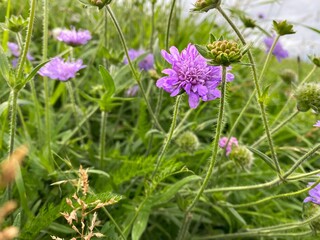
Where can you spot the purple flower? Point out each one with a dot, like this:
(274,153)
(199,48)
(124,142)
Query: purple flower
(223,143)
(15,51)
(314,194)
(317,124)
(131,92)
(278,50)
(61,70)
(145,64)
(73,37)
(191,73)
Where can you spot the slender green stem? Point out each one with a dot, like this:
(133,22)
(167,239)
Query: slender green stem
(257,86)
(277,128)
(114,223)
(133,70)
(301,160)
(153,3)
(104,116)
(186,221)
(291,96)
(5,34)
(268,199)
(169,24)
(168,138)
(23,56)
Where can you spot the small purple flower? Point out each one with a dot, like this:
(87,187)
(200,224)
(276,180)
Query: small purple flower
(74,38)
(61,70)
(131,92)
(145,64)
(15,51)
(191,73)
(317,124)
(223,144)
(278,51)
(314,194)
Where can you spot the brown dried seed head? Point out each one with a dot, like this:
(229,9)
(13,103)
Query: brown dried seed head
(9,233)
(84,180)
(6,209)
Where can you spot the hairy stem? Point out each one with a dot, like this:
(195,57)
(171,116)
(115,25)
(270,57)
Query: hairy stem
(104,116)
(187,218)
(257,86)
(134,72)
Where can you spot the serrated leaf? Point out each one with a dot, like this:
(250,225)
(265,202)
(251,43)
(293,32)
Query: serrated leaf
(108,81)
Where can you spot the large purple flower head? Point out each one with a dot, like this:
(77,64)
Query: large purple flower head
(278,50)
(145,64)
(74,38)
(61,70)
(314,194)
(317,124)
(191,73)
(223,144)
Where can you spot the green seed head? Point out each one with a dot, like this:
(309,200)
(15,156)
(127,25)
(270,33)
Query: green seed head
(242,157)
(224,52)
(289,76)
(205,5)
(308,96)
(188,142)
(16,24)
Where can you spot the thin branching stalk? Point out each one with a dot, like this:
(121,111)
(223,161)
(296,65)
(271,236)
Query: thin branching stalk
(168,138)
(276,128)
(5,33)
(104,117)
(257,86)
(186,221)
(133,70)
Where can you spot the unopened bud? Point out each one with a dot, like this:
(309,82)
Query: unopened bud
(188,142)
(15,24)
(308,96)
(205,5)
(289,76)
(242,156)
(97,3)
(283,28)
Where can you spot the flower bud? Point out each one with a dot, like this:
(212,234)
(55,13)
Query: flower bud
(15,24)
(242,156)
(289,76)
(308,96)
(283,28)
(188,142)
(224,52)
(248,22)
(315,60)
(206,5)
(97,3)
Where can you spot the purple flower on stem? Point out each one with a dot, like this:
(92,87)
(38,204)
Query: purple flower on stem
(223,144)
(278,50)
(191,73)
(317,124)
(74,38)
(145,64)
(61,70)
(131,92)
(314,194)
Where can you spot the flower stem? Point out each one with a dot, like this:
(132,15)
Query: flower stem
(5,33)
(134,72)
(257,86)
(187,218)
(104,116)
(277,128)
(169,135)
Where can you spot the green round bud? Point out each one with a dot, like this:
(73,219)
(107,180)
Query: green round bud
(308,96)
(97,3)
(15,24)
(309,210)
(289,76)
(224,52)
(188,142)
(242,156)
(206,5)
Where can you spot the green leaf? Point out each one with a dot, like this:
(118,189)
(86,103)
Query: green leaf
(264,95)
(264,157)
(108,81)
(203,51)
(141,222)
(169,192)
(212,38)
(5,68)
(34,72)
